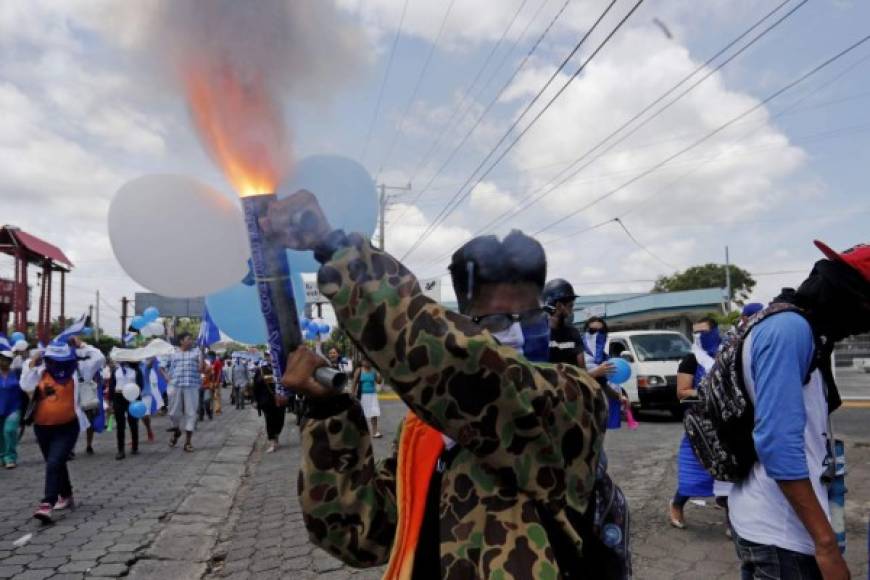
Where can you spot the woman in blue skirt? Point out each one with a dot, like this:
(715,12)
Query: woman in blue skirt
(692,479)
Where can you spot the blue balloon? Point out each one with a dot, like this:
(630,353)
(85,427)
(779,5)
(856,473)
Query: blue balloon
(138,322)
(16,336)
(304,323)
(236,311)
(151,314)
(137,409)
(346,193)
(622,372)
(323,328)
(87,331)
(310,335)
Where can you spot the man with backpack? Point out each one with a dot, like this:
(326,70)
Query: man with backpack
(771,433)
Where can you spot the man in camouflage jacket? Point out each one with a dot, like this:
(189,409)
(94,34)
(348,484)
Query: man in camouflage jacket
(528,436)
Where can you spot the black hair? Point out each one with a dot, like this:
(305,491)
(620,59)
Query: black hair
(710,321)
(592,319)
(486,260)
(181,336)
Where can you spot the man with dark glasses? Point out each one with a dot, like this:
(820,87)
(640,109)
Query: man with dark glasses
(496,458)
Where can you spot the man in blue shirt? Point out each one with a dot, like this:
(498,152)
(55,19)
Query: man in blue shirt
(779,513)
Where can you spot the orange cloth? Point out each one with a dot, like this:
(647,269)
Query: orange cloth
(420,446)
(56,404)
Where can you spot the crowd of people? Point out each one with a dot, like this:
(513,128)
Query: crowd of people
(70,387)
(498,469)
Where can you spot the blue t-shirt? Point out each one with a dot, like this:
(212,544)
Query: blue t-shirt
(10,393)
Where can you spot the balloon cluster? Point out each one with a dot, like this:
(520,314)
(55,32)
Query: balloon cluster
(213,260)
(313,329)
(147,324)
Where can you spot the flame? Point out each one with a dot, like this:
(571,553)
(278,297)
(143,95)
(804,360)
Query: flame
(241,126)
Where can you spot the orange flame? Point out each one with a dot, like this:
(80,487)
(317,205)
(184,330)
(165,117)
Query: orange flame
(241,126)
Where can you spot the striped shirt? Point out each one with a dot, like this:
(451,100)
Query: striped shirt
(184,369)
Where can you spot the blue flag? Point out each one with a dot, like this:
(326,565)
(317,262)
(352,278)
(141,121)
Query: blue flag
(209,333)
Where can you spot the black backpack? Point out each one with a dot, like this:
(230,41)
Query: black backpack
(720,426)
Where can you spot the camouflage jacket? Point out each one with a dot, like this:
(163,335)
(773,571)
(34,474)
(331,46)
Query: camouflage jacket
(530,434)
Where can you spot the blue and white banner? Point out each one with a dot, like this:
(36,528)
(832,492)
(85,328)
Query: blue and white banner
(77,327)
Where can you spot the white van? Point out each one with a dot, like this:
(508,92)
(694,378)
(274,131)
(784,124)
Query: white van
(654,356)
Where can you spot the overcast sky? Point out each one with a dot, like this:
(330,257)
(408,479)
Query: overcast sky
(79,119)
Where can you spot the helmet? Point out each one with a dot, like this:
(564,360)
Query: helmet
(556,290)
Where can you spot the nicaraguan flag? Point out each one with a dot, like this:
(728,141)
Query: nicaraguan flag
(209,333)
(99,422)
(128,338)
(75,328)
(4,342)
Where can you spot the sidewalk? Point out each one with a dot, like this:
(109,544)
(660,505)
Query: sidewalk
(147,516)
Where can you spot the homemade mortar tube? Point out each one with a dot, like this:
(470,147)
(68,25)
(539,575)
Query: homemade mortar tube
(275,289)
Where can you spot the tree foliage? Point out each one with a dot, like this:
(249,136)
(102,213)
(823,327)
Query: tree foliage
(708,276)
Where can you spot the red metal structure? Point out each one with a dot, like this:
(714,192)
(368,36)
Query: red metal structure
(29,250)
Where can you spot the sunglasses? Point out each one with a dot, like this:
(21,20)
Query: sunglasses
(501,321)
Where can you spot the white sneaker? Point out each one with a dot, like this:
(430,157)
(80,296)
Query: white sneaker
(272,447)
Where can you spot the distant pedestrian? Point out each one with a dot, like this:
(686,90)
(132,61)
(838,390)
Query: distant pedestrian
(124,374)
(217,370)
(50,379)
(240,379)
(366,380)
(206,393)
(184,373)
(10,409)
(96,414)
(267,405)
(693,479)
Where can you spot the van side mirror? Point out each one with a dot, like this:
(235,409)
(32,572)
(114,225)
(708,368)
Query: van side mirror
(626,356)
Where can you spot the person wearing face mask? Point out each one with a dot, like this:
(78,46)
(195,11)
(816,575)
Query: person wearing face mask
(124,374)
(496,458)
(780,512)
(50,378)
(596,359)
(692,479)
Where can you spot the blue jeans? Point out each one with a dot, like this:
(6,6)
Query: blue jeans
(56,442)
(9,437)
(760,562)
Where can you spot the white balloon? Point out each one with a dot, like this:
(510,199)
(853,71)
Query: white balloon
(178,237)
(130,391)
(152,329)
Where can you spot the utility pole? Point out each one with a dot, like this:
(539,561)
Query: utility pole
(124,304)
(383,202)
(727,282)
(97,325)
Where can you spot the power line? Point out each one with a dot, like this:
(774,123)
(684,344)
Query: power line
(491,103)
(417,85)
(568,173)
(374,120)
(643,247)
(465,96)
(709,135)
(459,197)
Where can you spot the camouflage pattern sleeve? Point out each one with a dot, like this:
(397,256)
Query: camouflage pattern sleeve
(540,427)
(348,500)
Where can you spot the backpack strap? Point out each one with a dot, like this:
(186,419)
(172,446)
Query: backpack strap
(822,351)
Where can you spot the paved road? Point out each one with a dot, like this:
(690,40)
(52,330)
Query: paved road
(264,536)
(131,512)
(853,383)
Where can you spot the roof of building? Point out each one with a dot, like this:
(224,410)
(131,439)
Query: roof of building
(35,246)
(613,307)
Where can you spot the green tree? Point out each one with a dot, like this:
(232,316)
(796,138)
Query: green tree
(708,276)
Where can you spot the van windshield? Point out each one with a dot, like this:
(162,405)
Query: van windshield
(660,347)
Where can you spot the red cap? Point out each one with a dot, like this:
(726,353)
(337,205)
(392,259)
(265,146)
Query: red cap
(857,257)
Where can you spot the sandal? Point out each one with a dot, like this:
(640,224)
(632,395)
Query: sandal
(188,447)
(677,522)
(173,441)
